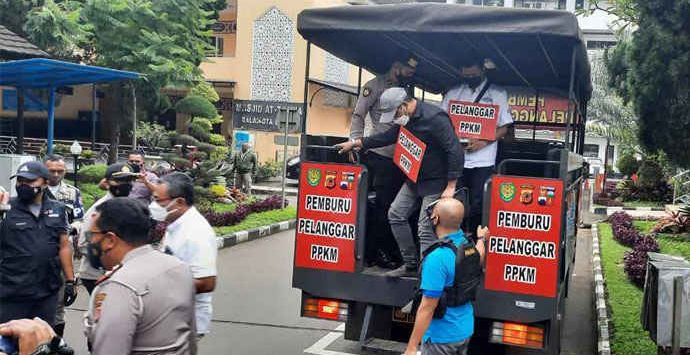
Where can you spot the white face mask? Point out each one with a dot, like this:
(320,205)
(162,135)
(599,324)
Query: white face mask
(158,212)
(402,120)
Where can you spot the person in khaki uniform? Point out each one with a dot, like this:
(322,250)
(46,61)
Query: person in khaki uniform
(145,303)
(385,178)
(245,165)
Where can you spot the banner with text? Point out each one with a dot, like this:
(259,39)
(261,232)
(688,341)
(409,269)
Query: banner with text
(525,224)
(473,120)
(327,216)
(408,154)
(526,106)
(266,115)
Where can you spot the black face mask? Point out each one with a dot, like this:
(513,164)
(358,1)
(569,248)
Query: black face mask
(94,253)
(136,168)
(121,190)
(473,81)
(26,193)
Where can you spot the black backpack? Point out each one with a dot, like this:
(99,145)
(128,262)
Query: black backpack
(468,274)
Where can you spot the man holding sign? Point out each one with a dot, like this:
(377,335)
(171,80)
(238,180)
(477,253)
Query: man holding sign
(428,153)
(481,116)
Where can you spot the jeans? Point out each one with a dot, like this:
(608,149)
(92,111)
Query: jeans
(430,348)
(405,203)
(386,179)
(245,180)
(473,179)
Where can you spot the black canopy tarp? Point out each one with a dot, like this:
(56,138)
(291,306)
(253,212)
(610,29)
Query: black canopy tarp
(529,47)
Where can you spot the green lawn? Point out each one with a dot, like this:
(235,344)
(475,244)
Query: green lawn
(674,244)
(624,298)
(259,219)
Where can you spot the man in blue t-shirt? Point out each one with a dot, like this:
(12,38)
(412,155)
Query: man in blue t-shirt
(450,334)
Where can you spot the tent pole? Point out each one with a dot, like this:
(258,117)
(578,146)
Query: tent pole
(20,120)
(93,117)
(306,90)
(571,99)
(51,119)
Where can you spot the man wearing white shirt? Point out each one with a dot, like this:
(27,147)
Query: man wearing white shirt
(190,238)
(480,155)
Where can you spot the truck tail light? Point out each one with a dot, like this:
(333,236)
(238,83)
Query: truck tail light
(522,335)
(324,309)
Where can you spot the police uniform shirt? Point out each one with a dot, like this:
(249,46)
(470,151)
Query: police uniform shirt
(71,197)
(30,265)
(86,270)
(438,272)
(144,306)
(191,239)
(368,102)
(495,95)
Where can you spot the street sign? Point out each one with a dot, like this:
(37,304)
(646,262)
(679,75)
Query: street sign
(408,154)
(263,115)
(525,224)
(327,216)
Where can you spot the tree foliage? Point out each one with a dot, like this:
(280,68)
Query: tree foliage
(196,106)
(652,71)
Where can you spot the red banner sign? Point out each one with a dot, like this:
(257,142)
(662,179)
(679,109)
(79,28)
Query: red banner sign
(409,152)
(473,120)
(525,227)
(528,107)
(327,216)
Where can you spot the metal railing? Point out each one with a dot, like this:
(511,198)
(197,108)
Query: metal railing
(681,187)
(38,147)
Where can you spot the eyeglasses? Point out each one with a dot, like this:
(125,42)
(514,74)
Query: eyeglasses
(89,234)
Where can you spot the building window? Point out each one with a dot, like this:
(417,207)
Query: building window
(600,44)
(217,44)
(272,50)
(610,152)
(579,4)
(487,2)
(539,4)
(591,151)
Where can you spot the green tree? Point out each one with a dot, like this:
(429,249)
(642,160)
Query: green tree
(164,40)
(652,71)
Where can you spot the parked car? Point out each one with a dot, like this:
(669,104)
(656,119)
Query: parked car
(292,170)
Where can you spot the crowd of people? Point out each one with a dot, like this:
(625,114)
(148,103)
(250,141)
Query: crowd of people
(165,310)
(449,165)
(168,309)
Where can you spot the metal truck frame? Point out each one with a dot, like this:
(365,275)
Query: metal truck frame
(539,50)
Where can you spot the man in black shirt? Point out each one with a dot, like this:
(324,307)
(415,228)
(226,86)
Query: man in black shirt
(34,249)
(440,168)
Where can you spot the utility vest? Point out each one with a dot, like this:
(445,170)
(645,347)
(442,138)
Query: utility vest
(468,274)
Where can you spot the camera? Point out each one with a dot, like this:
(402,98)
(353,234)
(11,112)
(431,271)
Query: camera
(8,345)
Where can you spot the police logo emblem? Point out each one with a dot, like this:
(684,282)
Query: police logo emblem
(507,191)
(330,179)
(313,176)
(366,92)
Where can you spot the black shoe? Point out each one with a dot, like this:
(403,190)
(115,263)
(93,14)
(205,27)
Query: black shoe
(385,261)
(406,270)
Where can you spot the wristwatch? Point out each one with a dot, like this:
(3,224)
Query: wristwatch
(54,346)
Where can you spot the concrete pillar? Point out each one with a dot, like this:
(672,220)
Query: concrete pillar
(570,5)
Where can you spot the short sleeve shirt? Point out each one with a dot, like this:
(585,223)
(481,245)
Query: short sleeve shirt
(438,272)
(496,95)
(192,240)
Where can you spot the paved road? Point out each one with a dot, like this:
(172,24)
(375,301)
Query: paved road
(256,311)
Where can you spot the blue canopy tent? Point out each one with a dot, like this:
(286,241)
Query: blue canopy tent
(40,73)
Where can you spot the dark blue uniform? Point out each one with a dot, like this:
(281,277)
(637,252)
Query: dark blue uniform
(29,260)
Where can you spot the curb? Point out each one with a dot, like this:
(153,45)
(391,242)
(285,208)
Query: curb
(275,191)
(601,309)
(228,240)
